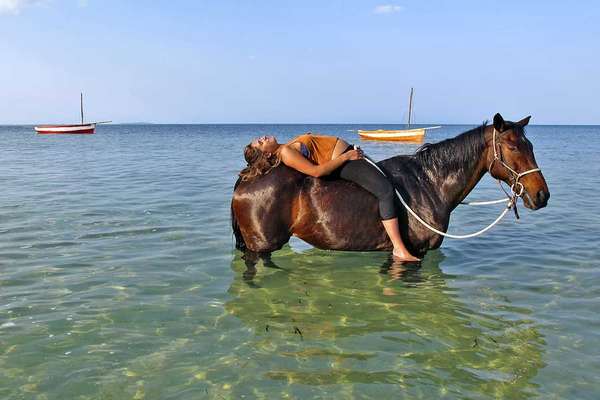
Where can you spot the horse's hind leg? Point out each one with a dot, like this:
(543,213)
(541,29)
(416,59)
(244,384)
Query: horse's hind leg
(268,262)
(251,259)
(265,233)
(266,239)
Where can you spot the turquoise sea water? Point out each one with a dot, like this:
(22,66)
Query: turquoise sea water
(119,280)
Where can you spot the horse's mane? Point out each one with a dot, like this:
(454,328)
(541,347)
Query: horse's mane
(454,152)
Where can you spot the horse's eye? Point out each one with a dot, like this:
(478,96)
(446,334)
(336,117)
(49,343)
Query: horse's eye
(512,148)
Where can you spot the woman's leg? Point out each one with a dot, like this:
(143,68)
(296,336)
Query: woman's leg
(362,173)
(393,231)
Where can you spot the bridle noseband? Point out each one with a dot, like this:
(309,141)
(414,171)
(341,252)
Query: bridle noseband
(517,187)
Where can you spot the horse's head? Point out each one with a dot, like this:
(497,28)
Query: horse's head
(511,160)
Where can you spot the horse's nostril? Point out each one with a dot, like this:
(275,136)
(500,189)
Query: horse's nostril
(542,197)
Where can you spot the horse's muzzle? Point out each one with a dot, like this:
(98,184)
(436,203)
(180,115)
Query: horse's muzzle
(540,200)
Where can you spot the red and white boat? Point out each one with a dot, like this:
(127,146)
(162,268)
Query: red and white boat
(66,129)
(70,129)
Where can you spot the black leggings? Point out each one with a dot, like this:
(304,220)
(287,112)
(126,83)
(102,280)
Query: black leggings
(367,177)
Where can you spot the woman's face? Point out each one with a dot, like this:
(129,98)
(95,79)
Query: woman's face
(266,144)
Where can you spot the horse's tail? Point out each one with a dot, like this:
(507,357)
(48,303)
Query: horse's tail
(239,239)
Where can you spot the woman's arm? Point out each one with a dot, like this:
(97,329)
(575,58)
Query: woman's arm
(293,159)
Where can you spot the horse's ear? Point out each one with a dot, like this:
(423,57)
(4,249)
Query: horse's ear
(499,123)
(524,121)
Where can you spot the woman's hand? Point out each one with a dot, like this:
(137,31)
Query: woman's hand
(355,154)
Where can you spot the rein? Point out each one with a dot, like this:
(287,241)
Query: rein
(511,199)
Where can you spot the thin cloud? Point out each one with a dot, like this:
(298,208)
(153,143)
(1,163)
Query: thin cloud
(15,6)
(387,9)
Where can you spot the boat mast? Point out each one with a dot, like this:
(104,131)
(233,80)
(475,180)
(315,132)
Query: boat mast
(81,103)
(410,107)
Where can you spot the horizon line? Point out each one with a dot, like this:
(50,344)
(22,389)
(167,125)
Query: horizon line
(307,123)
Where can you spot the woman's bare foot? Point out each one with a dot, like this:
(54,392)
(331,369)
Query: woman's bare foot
(404,256)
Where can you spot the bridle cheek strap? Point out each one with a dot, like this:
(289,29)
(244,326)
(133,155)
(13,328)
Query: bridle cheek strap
(517,187)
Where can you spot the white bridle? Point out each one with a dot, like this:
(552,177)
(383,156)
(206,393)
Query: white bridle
(516,174)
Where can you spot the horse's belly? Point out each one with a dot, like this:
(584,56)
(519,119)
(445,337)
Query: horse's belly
(349,244)
(336,216)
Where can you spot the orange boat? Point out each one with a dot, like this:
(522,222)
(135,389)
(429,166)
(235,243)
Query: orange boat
(402,135)
(398,135)
(82,128)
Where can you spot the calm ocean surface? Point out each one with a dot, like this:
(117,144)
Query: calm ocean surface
(119,280)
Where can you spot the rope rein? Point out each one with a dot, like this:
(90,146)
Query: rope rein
(511,199)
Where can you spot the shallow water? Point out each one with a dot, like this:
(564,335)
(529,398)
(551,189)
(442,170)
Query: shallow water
(118,280)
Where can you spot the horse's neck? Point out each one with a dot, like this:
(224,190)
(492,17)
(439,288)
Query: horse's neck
(456,180)
(458,184)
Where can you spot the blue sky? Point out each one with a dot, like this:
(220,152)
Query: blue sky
(299,61)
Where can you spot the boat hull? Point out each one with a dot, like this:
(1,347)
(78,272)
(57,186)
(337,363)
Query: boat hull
(404,135)
(79,129)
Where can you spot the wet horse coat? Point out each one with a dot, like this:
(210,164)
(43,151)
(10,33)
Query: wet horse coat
(339,215)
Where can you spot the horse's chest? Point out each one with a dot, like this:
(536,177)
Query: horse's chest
(421,237)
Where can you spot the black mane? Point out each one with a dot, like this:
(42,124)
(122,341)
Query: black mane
(455,152)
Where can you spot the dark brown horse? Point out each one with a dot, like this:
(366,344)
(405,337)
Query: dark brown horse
(338,215)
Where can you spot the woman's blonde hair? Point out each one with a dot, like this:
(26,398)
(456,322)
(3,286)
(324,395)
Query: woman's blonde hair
(258,163)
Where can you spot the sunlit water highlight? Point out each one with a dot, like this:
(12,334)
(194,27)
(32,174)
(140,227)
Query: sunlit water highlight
(118,280)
